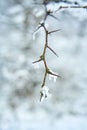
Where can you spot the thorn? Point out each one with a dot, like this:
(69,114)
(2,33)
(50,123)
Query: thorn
(54,31)
(37,29)
(40,25)
(49,72)
(53,16)
(55,75)
(37,61)
(52,51)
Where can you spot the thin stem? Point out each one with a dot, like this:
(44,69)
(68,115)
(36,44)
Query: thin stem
(44,80)
(44,55)
(47,70)
(72,6)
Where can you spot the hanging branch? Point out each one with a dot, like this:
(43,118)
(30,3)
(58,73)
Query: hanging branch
(43,58)
(44,92)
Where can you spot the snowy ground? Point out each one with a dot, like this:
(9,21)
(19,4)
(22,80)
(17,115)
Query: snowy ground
(20,81)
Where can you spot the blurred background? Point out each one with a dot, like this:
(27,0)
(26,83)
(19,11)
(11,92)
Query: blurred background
(20,80)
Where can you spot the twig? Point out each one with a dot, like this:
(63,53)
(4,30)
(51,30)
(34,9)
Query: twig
(72,6)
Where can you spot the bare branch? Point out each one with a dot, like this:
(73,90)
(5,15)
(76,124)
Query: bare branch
(47,71)
(72,6)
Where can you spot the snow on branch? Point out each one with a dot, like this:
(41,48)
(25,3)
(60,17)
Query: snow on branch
(47,71)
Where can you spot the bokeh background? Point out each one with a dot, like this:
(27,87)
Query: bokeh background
(20,80)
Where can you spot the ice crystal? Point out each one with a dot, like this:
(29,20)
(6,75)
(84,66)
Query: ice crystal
(44,93)
(52,77)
